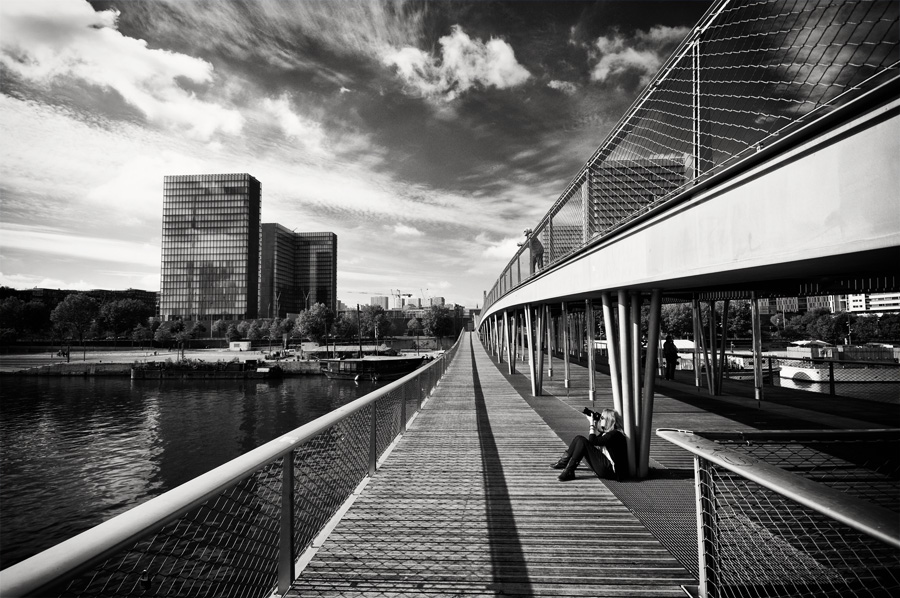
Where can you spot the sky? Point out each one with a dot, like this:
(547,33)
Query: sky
(426,134)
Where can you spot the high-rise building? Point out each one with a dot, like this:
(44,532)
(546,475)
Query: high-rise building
(298,270)
(279,290)
(318,268)
(210,247)
(380,300)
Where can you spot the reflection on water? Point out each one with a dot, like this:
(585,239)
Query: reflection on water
(74,452)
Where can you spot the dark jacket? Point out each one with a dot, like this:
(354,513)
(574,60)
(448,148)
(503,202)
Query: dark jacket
(616,444)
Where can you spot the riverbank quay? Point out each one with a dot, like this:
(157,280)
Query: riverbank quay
(119,363)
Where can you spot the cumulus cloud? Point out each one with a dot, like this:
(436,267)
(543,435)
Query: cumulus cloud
(293,125)
(407,231)
(642,54)
(44,40)
(464,63)
(567,87)
(55,241)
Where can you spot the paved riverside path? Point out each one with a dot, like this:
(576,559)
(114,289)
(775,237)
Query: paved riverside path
(466,505)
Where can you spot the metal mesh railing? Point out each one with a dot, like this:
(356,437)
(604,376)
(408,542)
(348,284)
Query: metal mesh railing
(225,534)
(859,379)
(797,513)
(751,74)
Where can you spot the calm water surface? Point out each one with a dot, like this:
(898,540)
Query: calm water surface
(75,452)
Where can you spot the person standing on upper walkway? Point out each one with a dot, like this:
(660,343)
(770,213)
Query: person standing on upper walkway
(537,251)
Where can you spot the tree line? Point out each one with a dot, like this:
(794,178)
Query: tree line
(80,317)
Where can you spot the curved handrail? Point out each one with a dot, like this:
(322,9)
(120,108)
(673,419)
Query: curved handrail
(873,520)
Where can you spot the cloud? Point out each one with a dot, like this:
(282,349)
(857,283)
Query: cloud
(27,281)
(293,125)
(465,63)
(45,41)
(567,87)
(407,231)
(54,241)
(642,54)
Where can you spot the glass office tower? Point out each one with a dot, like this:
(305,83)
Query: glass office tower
(210,247)
(298,270)
(318,272)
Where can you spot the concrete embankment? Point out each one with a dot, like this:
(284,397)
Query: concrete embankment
(288,368)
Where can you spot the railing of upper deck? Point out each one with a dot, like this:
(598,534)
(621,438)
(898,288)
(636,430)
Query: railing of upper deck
(796,512)
(750,74)
(239,529)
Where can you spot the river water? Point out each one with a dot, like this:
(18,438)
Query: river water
(75,452)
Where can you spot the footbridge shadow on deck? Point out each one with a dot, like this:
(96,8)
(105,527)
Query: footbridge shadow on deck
(466,504)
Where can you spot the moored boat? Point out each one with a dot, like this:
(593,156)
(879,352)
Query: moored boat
(371,367)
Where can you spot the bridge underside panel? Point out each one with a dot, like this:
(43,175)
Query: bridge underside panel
(807,223)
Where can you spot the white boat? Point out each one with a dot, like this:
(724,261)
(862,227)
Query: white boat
(842,373)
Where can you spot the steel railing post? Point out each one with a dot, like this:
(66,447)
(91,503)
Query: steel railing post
(373,439)
(286,537)
(706,528)
(831,390)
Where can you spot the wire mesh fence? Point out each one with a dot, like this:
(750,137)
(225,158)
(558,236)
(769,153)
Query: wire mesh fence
(791,513)
(751,74)
(230,543)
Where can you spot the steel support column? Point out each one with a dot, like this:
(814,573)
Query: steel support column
(610,328)
(625,351)
(757,349)
(589,337)
(566,328)
(698,333)
(529,342)
(649,383)
(551,340)
(539,325)
(635,336)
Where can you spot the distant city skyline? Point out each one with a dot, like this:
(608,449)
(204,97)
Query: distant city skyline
(426,135)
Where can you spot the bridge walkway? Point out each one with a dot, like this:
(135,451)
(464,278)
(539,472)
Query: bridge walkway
(664,502)
(466,505)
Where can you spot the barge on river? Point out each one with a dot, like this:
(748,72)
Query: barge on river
(371,367)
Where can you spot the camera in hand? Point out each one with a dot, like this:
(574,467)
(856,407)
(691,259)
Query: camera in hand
(593,414)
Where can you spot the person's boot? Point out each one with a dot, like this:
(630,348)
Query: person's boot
(567,474)
(563,461)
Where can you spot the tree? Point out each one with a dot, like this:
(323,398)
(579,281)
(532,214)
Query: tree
(119,316)
(346,326)
(220,327)
(12,310)
(889,327)
(677,319)
(865,329)
(140,334)
(253,332)
(36,316)
(232,333)
(284,329)
(413,326)
(244,328)
(374,322)
(437,322)
(75,314)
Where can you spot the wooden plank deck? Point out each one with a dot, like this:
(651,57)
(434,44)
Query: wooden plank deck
(466,505)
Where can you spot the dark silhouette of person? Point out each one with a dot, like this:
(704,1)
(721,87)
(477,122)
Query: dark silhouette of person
(537,250)
(670,353)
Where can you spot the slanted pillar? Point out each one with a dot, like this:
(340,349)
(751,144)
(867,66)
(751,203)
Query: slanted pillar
(625,351)
(514,342)
(714,369)
(646,426)
(589,332)
(506,336)
(551,340)
(566,329)
(698,340)
(540,324)
(635,336)
(529,349)
(609,325)
(757,349)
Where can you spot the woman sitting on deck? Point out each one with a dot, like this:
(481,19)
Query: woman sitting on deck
(605,449)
